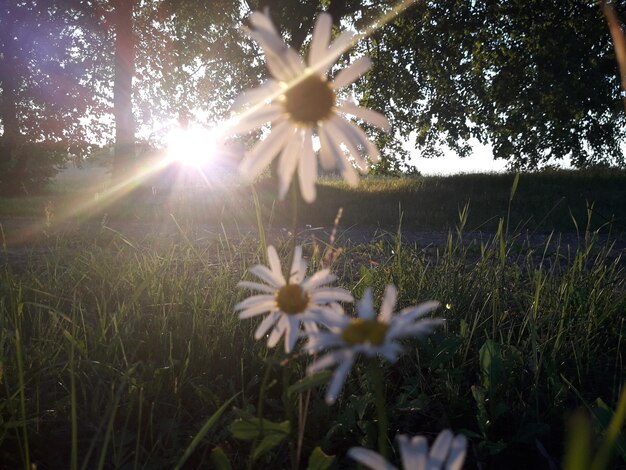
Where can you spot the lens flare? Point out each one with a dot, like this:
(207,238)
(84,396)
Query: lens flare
(193,146)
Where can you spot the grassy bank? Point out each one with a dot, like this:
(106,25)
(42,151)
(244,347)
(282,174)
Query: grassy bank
(543,202)
(116,351)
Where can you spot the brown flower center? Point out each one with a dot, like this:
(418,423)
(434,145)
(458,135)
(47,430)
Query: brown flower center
(310,100)
(361,331)
(292,299)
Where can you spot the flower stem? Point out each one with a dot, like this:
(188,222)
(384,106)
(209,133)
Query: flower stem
(289,409)
(293,189)
(376,377)
(260,406)
(259,222)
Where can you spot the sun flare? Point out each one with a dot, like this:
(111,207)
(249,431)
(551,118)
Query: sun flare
(193,146)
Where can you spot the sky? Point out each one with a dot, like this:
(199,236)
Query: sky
(480,161)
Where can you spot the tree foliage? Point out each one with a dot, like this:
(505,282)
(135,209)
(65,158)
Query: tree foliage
(536,80)
(44,90)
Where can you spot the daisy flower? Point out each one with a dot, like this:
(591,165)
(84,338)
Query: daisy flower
(300,101)
(367,334)
(289,305)
(447,452)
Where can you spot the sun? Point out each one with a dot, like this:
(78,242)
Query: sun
(192,146)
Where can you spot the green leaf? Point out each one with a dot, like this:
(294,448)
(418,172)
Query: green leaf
(578,446)
(219,460)
(309,383)
(613,423)
(491,365)
(253,428)
(269,442)
(319,460)
(446,351)
(203,431)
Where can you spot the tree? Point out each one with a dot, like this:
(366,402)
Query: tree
(44,91)
(537,80)
(124,70)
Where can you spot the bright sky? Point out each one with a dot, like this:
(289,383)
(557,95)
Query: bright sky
(480,161)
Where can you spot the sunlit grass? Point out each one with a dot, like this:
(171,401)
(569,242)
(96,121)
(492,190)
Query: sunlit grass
(137,336)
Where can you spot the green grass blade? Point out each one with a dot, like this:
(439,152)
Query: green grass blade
(603,457)
(203,431)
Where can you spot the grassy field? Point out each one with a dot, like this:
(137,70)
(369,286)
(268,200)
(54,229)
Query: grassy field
(543,202)
(125,352)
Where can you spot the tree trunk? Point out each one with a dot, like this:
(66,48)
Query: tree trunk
(10,139)
(124,151)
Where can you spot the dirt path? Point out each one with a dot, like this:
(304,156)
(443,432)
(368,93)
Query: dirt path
(21,235)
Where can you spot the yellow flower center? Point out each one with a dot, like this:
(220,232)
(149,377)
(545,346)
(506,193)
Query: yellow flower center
(310,100)
(292,299)
(361,331)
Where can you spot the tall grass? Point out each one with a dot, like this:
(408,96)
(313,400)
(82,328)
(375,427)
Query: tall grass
(117,351)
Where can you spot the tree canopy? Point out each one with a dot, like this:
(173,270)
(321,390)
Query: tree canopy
(44,90)
(536,80)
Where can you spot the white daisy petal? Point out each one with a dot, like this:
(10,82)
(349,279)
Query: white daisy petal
(327,156)
(262,20)
(253,300)
(457,453)
(318,279)
(264,152)
(439,450)
(416,330)
(319,344)
(365,307)
(351,73)
(341,44)
(339,377)
(331,294)
(420,310)
(258,95)
(271,43)
(389,302)
(265,274)
(298,267)
(310,327)
(256,286)
(278,331)
(347,170)
(331,318)
(391,351)
(414,452)
(274,260)
(307,169)
(324,362)
(371,117)
(294,61)
(347,137)
(321,38)
(266,324)
(248,121)
(358,135)
(278,68)
(370,459)
(257,309)
(291,334)
(288,162)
